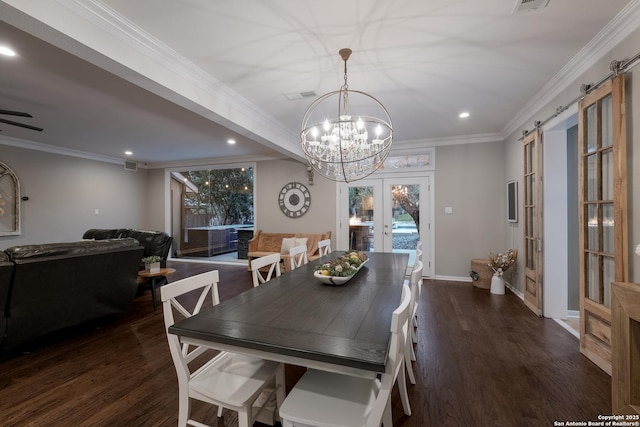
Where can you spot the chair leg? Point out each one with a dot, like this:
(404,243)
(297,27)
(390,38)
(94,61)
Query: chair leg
(404,395)
(220,408)
(407,363)
(243,417)
(183,408)
(387,416)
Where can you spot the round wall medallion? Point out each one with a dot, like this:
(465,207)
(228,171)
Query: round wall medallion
(294,200)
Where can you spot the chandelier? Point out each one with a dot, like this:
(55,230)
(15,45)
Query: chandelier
(351,144)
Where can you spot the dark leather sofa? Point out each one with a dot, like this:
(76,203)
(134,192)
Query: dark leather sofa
(6,270)
(49,287)
(154,242)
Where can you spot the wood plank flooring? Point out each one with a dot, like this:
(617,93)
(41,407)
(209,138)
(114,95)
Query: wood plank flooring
(483,360)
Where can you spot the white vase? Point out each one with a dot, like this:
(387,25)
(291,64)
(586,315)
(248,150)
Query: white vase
(497,284)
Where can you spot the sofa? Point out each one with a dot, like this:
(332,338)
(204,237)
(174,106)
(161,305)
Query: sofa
(267,243)
(6,271)
(154,242)
(49,287)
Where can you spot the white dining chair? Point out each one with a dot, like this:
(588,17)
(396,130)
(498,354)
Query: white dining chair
(227,380)
(323,398)
(324,247)
(298,256)
(419,254)
(414,286)
(259,264)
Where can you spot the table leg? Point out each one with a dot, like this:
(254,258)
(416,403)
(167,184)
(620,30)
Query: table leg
(156,282)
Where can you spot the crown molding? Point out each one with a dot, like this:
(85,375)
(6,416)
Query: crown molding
(212,161)
(618,29)
(37,146)
(399,146)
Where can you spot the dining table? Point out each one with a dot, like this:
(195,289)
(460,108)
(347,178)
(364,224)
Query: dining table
(297,319)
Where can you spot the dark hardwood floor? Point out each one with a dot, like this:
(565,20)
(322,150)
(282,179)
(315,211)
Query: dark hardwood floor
(483,360)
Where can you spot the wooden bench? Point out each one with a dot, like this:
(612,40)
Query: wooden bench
(267,243)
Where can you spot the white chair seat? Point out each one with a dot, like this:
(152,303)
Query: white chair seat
(337,400)
(231,379)
(326,399)
(251,386)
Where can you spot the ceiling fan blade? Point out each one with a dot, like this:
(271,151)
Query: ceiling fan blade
(10,122)
(15,113)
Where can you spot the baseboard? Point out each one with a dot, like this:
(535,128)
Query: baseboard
(573,314)
(515,291)
(452,278)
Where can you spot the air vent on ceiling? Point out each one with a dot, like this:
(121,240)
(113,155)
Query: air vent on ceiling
(528,5)
(299,95)
(130,166)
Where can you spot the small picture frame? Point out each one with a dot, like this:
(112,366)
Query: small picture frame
(512,201)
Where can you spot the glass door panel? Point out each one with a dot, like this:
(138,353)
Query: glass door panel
(603,225)
(387,215)
(362,218)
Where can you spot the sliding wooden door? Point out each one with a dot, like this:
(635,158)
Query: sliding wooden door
(532,179)
(603,206)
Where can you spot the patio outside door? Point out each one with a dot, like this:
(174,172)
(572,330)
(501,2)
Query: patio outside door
(387,215)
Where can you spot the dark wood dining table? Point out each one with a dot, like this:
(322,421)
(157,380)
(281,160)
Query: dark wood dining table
(297,319)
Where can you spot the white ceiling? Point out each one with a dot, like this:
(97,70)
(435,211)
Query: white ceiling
(185,76)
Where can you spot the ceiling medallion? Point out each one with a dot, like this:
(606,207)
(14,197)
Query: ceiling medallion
(351,143)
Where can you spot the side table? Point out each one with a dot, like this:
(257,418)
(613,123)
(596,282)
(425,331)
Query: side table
(156,280)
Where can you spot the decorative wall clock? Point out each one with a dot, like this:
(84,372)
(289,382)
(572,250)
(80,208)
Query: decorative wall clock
(294,200)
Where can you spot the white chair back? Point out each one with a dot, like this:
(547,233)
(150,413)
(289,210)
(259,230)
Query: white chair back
(260,277)
(241,383)
(180,353)
(414,285)
(395,362)
(298,256)
(324,247)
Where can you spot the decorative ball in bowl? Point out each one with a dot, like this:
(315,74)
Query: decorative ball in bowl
(340,270)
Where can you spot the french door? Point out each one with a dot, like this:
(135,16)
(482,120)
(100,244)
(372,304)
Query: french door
(387,215)
(532,145)
(602,217)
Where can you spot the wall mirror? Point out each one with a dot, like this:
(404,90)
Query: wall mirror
(9,202)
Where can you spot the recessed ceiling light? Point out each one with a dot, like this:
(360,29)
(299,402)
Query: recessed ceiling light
(7,51)
(231,141)
(128,153)
(463,115)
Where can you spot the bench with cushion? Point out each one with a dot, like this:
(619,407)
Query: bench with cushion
(267,243)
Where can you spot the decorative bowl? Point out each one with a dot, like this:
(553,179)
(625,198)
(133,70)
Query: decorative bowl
(337,280)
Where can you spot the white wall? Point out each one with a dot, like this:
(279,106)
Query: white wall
(64,193)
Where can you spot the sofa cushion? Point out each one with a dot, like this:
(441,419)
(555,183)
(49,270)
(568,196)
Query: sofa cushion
(290,242)
(17,253)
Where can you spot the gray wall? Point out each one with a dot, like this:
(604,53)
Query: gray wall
(270,177)
(65,191)
(471,180)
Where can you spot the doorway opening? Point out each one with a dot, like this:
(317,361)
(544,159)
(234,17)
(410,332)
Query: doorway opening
(560,254)
(212,213)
